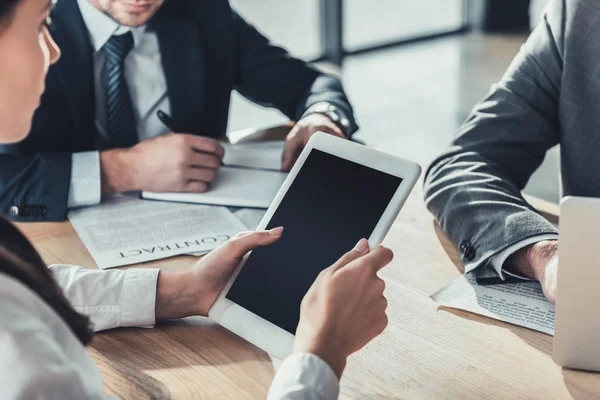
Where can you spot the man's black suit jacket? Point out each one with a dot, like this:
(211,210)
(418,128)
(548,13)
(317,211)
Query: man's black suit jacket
(207,51)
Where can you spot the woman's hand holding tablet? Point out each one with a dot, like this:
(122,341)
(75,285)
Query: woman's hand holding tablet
(345,308)
(336,193)
(193,292)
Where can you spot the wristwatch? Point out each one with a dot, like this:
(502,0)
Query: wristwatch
(331,112)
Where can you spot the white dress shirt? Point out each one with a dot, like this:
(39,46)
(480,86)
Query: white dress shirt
(147,86)
(497,261)
(40,358)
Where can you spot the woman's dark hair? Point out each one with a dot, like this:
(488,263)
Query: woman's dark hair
(19,260)
(6,8)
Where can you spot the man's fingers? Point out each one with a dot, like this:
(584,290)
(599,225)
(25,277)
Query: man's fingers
(202,160)
(205,145)
(194,187)
(332,130)
(299,137)
(293,145)
(205,175)
(361,249)
(239,246)
(550,280)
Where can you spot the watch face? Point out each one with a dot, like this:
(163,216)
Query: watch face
(332,112)
(322,108)
(345,123)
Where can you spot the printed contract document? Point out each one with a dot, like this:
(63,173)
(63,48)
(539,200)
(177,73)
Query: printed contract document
(521,304)
(126,230)
(250,217)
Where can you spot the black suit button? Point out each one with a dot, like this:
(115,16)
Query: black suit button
(467,250)
(37,210)
(26,210)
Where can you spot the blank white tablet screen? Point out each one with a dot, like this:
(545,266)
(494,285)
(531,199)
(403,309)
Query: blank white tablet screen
(331,204)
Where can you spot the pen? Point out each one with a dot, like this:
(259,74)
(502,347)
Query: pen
(251,168)
(168,122)
(165,119)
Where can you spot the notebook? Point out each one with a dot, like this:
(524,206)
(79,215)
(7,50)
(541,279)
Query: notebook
(233,187)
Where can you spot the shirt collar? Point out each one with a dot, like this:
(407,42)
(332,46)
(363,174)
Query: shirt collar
(101,27)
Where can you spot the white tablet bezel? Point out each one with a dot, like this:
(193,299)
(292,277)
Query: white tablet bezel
(264,334)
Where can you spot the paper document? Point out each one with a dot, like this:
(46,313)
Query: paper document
(233,187)
(126,230)
(251,217)
(262,155)
(197,254)
(521,304)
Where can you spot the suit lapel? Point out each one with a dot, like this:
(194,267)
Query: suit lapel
(183,63)
(76,69)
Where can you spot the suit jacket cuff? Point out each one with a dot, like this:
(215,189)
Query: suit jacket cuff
(328,89)
(348,127)
(43,189)
(478,249)
(497,261)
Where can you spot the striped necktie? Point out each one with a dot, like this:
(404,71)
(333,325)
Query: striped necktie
(122,130)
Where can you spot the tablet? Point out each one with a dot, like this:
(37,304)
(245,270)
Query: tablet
(337,193)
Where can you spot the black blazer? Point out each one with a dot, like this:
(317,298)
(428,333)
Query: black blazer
(207,51)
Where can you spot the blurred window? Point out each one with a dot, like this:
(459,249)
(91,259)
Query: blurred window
(369,23)
(293,24)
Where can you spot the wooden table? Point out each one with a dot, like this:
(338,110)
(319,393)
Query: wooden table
(425,353)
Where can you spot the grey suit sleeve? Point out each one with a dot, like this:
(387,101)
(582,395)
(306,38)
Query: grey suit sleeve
(474,189)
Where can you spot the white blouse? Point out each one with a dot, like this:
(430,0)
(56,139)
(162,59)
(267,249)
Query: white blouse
(40,358)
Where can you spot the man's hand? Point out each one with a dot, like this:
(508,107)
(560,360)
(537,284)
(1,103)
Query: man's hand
(170,163)
(302,132)
(193,292)
(345,307)
(538,261)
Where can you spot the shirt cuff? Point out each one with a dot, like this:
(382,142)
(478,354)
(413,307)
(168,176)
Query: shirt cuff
(497,261)
(138,298)
(304,376)
(85,189)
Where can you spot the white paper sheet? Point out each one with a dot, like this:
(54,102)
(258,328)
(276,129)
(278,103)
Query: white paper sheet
(264,155)
(233,187)
(250,217)
(198,254)
(521,304)
(126,230)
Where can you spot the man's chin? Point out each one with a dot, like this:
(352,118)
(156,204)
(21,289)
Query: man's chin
(134,19)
